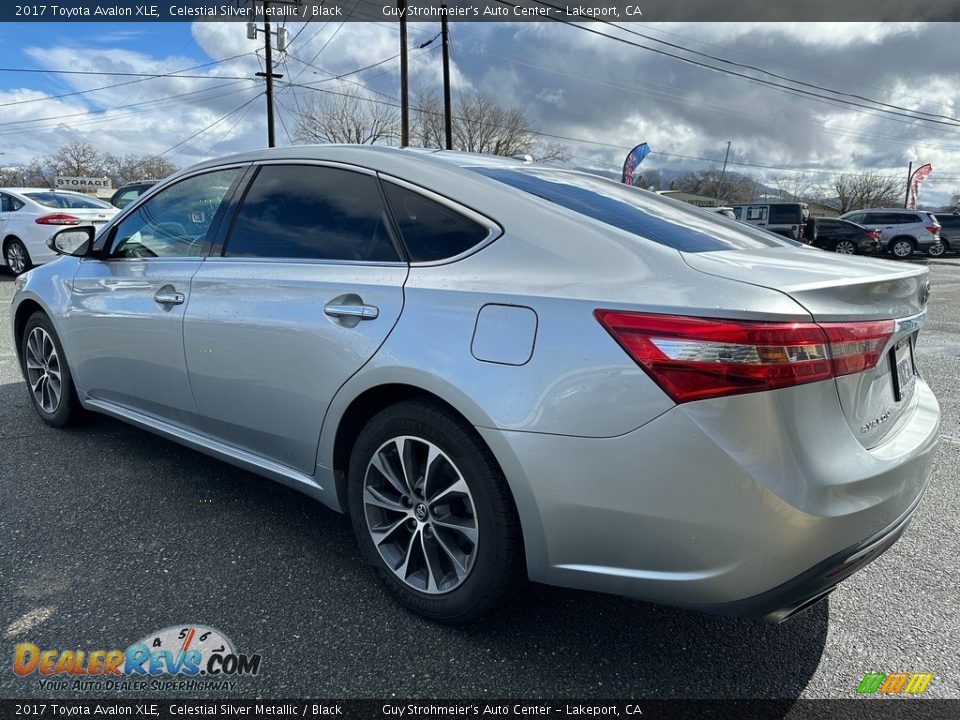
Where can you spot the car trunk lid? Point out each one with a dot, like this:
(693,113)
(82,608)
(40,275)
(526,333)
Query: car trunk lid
(845,289)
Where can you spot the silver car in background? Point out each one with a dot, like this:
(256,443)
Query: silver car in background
(504,371)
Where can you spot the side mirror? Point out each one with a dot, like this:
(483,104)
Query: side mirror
(75,241)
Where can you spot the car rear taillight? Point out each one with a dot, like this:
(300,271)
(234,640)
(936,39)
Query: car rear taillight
(874,234)
(933,229)
(696,358)
(57,219)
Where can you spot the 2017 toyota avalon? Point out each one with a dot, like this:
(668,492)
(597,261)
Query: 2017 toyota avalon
(505,371)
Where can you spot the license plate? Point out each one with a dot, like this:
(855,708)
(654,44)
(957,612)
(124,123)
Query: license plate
(904,370)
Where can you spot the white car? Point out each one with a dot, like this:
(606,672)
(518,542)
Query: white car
(30,216)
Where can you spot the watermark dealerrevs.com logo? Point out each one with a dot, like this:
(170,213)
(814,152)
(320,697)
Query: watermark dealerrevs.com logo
(902,683)
(186,657)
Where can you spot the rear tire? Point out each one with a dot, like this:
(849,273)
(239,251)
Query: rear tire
(432,513)
(845,247)
(939,249)
(16,256)
(902,247)
(49,381)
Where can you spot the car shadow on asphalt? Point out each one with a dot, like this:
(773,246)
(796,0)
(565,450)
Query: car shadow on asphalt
(293,553)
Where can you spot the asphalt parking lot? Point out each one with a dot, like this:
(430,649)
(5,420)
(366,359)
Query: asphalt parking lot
(108,533)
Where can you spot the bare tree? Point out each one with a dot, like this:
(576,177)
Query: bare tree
(346,119)
(649,180)
(954,204)
(77,159)
(863,190)
(132,167)
(481,125)
(735,188)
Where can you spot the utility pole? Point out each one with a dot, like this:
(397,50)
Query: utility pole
(723,173)
(404,90)
(270,75)
(447,119)
(906,197)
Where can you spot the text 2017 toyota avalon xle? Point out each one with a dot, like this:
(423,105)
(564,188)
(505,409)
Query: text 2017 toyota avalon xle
(503,371)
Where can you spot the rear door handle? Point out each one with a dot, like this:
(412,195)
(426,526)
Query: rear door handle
(363,312)
(168,296)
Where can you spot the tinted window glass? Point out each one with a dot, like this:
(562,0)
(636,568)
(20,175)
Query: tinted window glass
(430,230)
(856,218)
(874,219)
(949,221)
(311,213)
(8,203)
(64,200)
(175,222)
(644,214)
(785,214)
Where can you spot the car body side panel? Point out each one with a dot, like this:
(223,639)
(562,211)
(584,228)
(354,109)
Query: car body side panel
(265,360)
(125,347)
(728,510)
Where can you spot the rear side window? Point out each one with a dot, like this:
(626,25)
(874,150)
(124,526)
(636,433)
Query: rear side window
(430,230)
(63,200)
(308,212)
(8,203)
(757,213)
(641,213)
(785,214)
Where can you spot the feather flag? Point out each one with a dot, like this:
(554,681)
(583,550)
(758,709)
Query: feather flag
(919,175)
(634,158)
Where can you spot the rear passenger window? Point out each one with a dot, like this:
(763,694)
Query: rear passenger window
(430,230)
(757,213)
(310,212)
(787,215)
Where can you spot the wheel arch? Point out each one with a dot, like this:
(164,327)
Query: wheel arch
(909,238)
(337,445)
(360,410)
(24,311)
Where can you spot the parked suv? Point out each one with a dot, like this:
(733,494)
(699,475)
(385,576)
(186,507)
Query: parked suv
(949,232)
(902,231)
(783,218)
(130,192)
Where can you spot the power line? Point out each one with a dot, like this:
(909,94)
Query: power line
(621,147)
(767,83)
(116,85)
(210,126)
(31,121)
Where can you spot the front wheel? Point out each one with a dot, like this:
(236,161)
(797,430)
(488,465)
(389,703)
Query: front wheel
(902,248)
(939,249)
(845,247)
(432,513)
(48,377)
(16,256)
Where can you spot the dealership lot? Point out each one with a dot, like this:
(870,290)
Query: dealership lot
(108,534)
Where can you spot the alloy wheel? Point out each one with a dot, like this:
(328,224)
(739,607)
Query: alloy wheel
(16,258)
(903,248)
(43,370)
(937,250)
(420,514)
(845,247)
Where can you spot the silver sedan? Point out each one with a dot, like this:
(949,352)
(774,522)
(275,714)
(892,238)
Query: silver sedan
(504,371)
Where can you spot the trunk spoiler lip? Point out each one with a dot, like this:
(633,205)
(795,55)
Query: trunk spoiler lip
(910,323)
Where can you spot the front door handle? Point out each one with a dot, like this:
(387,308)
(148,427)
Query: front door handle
(167,295)
(361,312)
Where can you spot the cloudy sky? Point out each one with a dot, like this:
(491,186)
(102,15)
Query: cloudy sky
(604,95)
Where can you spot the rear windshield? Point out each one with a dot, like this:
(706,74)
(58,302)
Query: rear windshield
(63,200)
(645,214)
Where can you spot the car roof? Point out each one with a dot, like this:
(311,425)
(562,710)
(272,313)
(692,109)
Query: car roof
(366,154)
(897,210)
(38,189)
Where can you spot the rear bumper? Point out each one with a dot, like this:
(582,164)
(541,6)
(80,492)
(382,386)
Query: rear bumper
(750,505)
(808,588)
